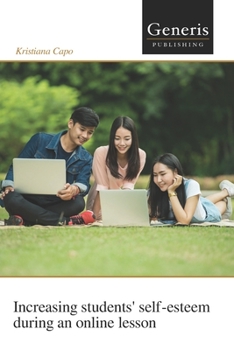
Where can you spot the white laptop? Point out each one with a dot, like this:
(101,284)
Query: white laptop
(124,208)
(39,176)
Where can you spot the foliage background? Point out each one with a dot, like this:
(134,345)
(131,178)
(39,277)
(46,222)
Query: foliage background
(186,108)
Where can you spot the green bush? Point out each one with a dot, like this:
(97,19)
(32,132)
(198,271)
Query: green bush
(30,107)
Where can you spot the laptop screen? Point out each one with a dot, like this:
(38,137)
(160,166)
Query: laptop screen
(39,176)
(124,207)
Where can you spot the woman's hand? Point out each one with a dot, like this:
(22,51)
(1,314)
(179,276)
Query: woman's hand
(176,183)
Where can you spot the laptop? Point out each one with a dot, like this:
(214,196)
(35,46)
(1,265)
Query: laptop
(39,176)
(124,207)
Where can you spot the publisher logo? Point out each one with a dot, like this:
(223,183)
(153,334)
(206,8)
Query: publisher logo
(177,26)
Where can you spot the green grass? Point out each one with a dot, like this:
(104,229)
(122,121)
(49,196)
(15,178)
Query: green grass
(99,251)
(104,251)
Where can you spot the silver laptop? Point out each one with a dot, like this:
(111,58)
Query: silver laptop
(124,208)
(39,176)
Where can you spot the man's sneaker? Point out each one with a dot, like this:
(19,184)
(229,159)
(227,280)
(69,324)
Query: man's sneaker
(85,218)
(229,186)
(228,212)
(14,220)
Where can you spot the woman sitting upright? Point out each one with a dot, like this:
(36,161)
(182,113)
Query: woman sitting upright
(118,165)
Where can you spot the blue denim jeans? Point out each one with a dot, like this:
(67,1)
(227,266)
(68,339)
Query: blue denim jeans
(212,212)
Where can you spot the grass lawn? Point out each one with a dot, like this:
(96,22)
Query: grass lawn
(98,251)
(104,251)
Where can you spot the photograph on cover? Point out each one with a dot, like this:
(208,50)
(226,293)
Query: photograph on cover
(163,109)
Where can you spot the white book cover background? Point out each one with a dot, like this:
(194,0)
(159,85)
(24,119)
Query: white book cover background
(94,30)
(99,30)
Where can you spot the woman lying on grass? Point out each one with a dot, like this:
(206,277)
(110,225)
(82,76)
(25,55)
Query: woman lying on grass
(173,198)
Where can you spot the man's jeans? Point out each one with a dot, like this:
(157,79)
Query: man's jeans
(42,210)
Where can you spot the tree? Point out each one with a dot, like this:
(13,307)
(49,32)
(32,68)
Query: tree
(185,108)
(29,107)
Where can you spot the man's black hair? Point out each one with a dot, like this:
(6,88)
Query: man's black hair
(85,116)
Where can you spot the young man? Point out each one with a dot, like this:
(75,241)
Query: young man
(63,208)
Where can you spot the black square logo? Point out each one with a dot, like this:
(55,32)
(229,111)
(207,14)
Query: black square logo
(177,27)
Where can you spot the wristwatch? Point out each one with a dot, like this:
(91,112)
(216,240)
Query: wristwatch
(171,194)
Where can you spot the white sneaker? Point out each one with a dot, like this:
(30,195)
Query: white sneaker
(228,212)
(229,186)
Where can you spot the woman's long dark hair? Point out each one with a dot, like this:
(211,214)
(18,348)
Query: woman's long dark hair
(133,152)
(158,200)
